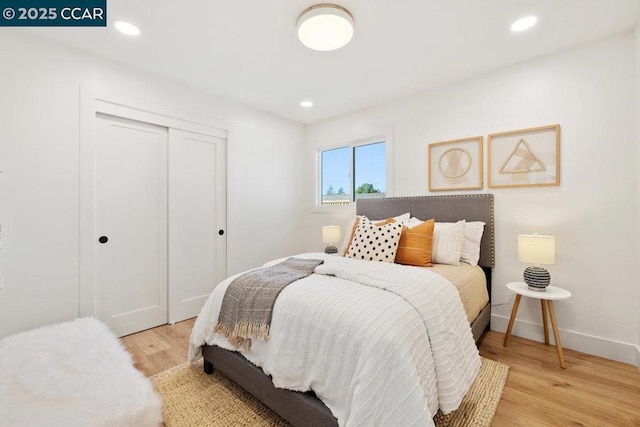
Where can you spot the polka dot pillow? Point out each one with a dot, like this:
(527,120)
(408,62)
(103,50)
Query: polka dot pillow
(375,243)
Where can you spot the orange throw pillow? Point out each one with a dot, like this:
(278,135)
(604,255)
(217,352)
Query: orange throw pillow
(416,244)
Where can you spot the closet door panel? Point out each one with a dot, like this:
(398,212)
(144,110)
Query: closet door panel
(197,234)
(130,224)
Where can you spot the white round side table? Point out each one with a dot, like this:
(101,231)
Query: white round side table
(546,298)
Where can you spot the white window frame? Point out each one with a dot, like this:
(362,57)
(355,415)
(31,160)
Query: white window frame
(352,144)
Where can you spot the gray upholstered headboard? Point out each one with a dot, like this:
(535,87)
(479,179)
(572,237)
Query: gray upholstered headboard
(471,207)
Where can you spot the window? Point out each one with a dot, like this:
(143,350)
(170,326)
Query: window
(336,176)
(353,172)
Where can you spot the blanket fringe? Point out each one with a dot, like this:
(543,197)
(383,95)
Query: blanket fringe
(242,333)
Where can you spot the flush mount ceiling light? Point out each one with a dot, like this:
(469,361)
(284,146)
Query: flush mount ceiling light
(306,104)
(524,23)
(126,28)
(325,27)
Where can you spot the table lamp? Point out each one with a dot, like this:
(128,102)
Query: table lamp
(331,236)
(536,249)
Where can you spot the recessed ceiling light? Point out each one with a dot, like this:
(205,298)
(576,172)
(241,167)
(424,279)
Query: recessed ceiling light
(524,23)
(306,104)
(127,28)
(325,27)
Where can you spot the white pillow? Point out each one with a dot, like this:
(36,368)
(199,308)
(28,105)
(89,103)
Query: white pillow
(448,238)
(413,222)
(400,218)
(347,236)
(471,246)
(352,223)
(375,243)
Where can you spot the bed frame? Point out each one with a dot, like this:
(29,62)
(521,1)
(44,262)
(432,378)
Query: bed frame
(305,409)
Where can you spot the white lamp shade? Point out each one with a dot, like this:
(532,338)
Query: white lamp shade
(325,27)
(537,249)
(330,234)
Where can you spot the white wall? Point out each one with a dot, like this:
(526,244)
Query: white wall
(39,157)
(637,51)
(593,213)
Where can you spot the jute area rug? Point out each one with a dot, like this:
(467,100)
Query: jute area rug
(192,398)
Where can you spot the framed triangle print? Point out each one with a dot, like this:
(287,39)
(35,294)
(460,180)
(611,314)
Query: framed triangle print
(524,158)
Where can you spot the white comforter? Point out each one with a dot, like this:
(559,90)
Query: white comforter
(388,353)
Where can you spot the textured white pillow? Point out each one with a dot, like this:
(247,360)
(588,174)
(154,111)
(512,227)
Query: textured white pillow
(448,238)
(375,243)
(471,247)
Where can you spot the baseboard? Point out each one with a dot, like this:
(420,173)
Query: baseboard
(609,349)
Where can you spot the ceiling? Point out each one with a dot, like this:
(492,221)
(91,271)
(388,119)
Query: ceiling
(248,50)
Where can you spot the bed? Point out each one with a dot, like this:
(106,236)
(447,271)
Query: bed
(305,409)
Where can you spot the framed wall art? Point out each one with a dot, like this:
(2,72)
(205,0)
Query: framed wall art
(456,165)
(525,158)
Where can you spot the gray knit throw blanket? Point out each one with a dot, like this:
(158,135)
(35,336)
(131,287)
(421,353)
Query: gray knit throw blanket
(248,301)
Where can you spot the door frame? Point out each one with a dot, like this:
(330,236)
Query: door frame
(93,102)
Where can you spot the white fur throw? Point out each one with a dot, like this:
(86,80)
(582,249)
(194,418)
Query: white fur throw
(73,374)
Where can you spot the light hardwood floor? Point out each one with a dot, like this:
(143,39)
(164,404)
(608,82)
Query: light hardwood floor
(591,392)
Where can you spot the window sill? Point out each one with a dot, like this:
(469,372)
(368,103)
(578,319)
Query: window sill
(334,208)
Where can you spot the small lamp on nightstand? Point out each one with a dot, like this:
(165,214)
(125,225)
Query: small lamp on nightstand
(330,236)
(536,249)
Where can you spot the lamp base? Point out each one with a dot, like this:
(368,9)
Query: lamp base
(537,278)
(331,250)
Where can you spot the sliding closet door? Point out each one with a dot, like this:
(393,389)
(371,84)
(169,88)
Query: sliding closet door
(197,220)
(130,251)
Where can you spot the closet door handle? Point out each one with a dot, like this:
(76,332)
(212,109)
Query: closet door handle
(221,232)
(103,239)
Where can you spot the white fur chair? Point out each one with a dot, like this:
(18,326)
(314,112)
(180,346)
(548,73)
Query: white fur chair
(73,374)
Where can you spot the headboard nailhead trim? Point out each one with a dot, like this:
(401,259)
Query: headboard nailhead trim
(454,196)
